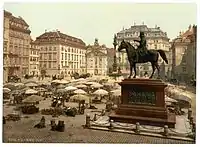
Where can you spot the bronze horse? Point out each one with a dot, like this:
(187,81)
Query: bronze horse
(151,56)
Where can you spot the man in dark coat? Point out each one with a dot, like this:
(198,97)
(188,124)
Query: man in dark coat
(142,48)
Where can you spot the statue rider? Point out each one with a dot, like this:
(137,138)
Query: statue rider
(142,47)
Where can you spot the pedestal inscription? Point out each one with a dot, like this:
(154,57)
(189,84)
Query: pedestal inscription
(141,98)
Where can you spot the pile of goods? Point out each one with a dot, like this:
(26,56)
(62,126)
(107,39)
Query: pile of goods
(30,109)
(12,117)
(71,111)
(52,111)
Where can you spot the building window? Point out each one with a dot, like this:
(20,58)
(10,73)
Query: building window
(50,57)
(184,69)
(65,56)
(62,56)
(54,48)
(49,64)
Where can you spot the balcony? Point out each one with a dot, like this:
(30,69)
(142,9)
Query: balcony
(11,65)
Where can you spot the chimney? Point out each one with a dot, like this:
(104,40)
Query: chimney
(156,26)
(180,33)
(45,30)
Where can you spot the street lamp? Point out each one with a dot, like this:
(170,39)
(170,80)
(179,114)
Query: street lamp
(115,58)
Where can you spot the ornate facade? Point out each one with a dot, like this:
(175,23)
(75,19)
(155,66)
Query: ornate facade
(97,59)
(156,39)
(61,53)
(184,55)
(16,45)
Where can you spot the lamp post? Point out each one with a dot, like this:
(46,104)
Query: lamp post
(115,58)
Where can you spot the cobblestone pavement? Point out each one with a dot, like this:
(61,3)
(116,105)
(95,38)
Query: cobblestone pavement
(23,131)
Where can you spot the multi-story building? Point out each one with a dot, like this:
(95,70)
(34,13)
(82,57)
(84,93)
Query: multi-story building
(61,53)
(184,55)
(97,59)
(110,59)
(34,59)
(17,40)
(6,45)
(156,39)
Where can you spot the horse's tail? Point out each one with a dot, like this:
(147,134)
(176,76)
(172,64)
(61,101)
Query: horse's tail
(163,55)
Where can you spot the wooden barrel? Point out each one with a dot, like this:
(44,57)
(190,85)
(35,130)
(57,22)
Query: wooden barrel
(61,126)
(61,123)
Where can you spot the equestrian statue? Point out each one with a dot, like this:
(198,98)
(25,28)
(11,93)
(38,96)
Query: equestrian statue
(142,55)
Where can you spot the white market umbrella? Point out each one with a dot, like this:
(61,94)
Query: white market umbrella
(31,85)
(30,81)
(81,86)
(80,91)
(100,92)
(33,98)
(6,90)
(61,90)
(55,81)
(183,97)
(81,79)
(91,83)
(19,84)
(97,85)
(80,97)
(63,81)
(168,99)
(31,91)
(70,88)
(82,82)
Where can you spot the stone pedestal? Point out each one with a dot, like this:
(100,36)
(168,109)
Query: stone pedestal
(143,101)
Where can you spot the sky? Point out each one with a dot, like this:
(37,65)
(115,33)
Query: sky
(88,21)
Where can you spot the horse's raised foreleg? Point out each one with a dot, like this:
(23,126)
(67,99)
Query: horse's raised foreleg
(153,67)
(131,71)
(158,68)
(134,67)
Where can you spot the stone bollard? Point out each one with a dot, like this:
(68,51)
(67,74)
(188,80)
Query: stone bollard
(87,122)
(111,125)
(53,125)
(137,128)
(166,130)
(189,113)
(191,120)
(103,112)
(95,117)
